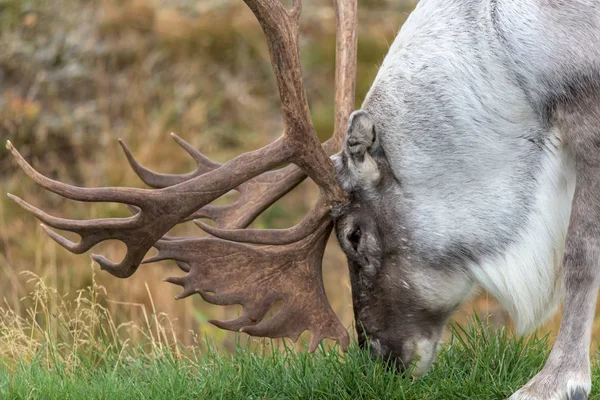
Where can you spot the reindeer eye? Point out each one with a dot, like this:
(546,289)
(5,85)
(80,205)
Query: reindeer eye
(354,238)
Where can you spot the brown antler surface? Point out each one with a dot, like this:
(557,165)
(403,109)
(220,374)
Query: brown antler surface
(256,194)
(159,210)
(224,271)
(221,272)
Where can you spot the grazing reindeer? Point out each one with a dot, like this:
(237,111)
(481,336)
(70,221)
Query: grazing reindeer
(475,160)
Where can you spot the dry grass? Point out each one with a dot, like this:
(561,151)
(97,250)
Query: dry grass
(77,330)
(76,75)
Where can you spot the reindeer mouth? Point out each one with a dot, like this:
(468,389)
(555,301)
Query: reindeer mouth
(425,352)
(414,357)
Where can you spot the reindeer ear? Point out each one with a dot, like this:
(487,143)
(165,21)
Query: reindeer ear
(361,142)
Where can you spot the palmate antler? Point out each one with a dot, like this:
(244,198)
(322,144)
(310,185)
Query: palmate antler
(222,269)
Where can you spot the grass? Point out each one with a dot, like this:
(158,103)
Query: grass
(476,364)
(69,347)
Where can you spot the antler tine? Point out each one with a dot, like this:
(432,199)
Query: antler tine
(110,194)
(345,67)
(159,210)
(158,180)
(91,232)
(315,217)
(200,158)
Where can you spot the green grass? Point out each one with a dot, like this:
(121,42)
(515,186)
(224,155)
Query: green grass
(476,364)
(69,346)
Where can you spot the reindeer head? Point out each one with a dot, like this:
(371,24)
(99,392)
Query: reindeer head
(401,298)
(401,302)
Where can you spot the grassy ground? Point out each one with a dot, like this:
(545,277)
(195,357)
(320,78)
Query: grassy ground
(476,364)
(70,347)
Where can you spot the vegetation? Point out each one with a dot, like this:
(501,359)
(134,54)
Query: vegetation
(75,75)
(78,352)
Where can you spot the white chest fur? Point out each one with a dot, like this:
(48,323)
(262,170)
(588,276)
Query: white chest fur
(527,278)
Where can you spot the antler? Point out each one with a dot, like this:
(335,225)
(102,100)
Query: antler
(159,210)
(254,277)
(257,194)
(288,273)
(265,189)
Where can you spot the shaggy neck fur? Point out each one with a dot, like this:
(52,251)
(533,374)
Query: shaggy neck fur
(526,278)
(486,185)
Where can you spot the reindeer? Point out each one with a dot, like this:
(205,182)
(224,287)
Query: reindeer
(474,161)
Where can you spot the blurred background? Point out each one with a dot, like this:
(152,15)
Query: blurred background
(75,75)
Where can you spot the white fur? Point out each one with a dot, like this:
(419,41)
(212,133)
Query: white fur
(527,279)
(464,162)
(425,350)
(365,172)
